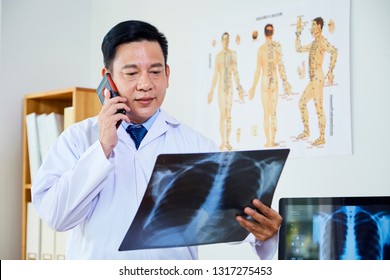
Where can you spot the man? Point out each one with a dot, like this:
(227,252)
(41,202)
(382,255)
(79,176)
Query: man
(269,60)
(225,69)
(94,177)
(314,89)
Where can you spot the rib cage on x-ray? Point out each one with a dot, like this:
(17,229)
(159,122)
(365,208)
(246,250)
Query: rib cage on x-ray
(352,232)
(221,186)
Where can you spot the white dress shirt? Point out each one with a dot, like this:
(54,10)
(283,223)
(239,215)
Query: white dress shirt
(77,189)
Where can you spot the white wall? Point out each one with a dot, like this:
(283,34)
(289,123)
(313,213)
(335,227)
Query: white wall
(363,173)
(45,47)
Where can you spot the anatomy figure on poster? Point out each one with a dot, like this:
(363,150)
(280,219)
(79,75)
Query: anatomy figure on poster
(224,72)
(269,61)
(314,90)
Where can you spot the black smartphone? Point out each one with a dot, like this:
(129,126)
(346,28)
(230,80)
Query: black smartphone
(107,83)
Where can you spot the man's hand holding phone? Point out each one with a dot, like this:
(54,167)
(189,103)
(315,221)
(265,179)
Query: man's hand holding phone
(109,119)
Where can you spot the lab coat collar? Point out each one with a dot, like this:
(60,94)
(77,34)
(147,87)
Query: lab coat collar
(158,128)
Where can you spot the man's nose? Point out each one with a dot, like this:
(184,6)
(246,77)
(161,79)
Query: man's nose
(144,82)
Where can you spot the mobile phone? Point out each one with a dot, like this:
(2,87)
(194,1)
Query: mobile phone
(108,83)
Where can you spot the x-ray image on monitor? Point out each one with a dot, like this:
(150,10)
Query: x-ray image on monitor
(193,199)
(352,228)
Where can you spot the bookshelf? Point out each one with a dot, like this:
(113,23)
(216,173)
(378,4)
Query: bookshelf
(85,104)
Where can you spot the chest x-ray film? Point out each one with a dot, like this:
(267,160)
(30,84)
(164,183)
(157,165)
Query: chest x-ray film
(193,199)
(335,228)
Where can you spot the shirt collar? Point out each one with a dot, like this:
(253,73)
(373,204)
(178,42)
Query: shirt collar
(147,124)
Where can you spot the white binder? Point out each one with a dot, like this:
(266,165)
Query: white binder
(33,239)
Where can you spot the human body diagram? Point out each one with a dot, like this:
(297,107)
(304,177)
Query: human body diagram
(314,90)
(224,72)
(269,61)
(272,73)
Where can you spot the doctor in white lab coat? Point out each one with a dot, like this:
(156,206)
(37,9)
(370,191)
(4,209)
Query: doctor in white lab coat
(93,179)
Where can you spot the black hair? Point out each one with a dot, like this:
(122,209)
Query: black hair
(128,32)
(268,32)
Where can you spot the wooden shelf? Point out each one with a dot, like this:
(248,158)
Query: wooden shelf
(85,103)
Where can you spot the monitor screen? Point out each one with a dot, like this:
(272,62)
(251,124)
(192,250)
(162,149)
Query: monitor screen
(335,228)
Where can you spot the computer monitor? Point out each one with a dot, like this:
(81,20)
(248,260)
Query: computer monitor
(335,228)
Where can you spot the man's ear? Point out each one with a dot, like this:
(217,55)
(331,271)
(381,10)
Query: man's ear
(167,73)
(104,71)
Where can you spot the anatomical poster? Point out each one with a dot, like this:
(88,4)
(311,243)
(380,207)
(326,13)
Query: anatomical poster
(277,78)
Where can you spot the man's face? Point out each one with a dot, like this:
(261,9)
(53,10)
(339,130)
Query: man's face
(315,29)
(141,76)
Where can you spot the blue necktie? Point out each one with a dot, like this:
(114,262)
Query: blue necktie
(137,133)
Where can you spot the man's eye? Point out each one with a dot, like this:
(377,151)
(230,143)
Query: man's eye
(130,73)
(156,72)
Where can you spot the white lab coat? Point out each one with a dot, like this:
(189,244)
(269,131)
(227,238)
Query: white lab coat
(78,189)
